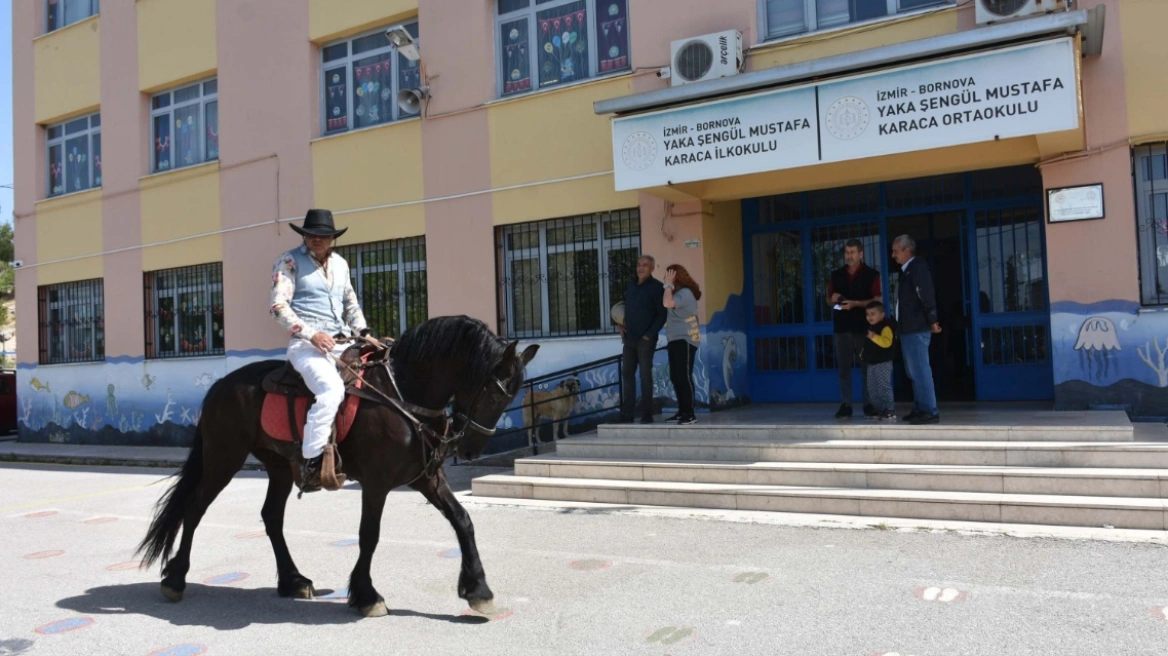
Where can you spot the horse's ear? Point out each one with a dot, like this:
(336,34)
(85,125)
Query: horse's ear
(509,352)
(529,353)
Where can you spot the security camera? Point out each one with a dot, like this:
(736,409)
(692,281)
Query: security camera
(664,73)
(17,264)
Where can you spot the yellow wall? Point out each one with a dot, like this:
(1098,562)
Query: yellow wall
(330,19)
(179,204)
(722,255)
(1142,25)
(68,71)
(864,37)
(176,42)
(68,227)
(573,140)
(376,166)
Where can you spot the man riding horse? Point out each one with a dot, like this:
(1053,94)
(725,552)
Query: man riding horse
(313,299)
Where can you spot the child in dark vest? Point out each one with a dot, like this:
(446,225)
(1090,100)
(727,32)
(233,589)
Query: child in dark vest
(878,354)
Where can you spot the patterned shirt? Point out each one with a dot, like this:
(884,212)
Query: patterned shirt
(284,288)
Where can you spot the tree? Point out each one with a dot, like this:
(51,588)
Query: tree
(7,250)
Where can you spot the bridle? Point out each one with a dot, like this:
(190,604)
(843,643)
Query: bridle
(439,446)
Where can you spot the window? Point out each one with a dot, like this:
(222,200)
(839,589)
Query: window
(390,279)
(74,155)
(66,12)
(788,17)
(71,322)
(360,80)
(1151,180)
(543,43)
(184,126)
(184,311)
(561,277)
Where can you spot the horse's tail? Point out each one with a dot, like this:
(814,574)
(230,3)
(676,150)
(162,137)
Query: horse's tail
(170,509)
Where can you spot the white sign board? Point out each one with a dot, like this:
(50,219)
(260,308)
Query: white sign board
(1012,92)
(1075,203)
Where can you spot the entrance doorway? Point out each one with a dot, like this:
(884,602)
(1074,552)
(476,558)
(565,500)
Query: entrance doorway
(982,236)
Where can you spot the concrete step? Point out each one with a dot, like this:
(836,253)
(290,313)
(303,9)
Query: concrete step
(1004,427)
(702,447)
(1118,512)
(1134,483)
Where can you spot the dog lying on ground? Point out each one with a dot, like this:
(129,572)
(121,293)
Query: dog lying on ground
(554,405)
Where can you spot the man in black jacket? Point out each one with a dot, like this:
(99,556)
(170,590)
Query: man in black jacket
(645,315)
(916,314)
(851,288)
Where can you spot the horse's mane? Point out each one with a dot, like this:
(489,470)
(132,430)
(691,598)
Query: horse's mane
(452,338)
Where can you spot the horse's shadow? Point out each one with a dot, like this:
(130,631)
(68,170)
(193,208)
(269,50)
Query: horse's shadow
(227,609)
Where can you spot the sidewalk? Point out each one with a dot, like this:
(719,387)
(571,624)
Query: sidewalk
(166,457)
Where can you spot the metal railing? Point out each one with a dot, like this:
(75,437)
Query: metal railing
(560,409)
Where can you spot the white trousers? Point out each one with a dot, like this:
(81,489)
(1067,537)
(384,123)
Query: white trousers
(321,375)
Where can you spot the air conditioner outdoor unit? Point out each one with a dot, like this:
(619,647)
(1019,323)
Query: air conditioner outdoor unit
(995,11)
(705,57)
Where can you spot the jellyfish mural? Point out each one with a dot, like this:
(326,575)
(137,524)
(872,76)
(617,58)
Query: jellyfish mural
(1097,339)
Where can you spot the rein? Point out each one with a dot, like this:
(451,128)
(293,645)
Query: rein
(447,441)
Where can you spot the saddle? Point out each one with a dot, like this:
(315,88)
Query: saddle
(286,381)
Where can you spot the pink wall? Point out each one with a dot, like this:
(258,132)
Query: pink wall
(456,158)
(267,100)
(28,174)
(1091,261)
(125,157)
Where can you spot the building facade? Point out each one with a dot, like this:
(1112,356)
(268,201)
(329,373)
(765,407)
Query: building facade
(165,145)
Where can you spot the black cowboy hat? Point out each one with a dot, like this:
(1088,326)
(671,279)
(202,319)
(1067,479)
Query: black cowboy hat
(319,223)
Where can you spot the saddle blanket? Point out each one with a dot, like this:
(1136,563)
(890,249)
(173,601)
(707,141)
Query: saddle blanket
(274,416)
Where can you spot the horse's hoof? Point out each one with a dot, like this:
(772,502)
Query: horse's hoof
(378,609)
(171,594)
(484,606)
(304,591)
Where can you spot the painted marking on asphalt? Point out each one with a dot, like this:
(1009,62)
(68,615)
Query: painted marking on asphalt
(889,653)
(499,615)
(451,553)
(750,578)
(349,542)
(43,554)
(64,626)
(1160,613)
(590,565)
(672,635)
(733,622)
(39,514)
(101,520)
(181,650)
(251,535)
(125,567)
(49,502)
(941,595)
(226,579)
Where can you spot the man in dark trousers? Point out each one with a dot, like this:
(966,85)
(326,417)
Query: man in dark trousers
(916,314)
(645,316)
(851,289)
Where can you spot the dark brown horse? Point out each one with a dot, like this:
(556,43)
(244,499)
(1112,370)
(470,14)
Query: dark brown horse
(454,362)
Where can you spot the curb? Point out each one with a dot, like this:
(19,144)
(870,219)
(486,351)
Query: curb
(101,461)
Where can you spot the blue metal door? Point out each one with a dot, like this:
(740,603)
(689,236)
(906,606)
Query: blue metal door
(983,235)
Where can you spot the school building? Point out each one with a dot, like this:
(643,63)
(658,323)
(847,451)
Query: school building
(508,159)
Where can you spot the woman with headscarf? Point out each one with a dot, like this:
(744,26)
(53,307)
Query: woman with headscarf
(683,337)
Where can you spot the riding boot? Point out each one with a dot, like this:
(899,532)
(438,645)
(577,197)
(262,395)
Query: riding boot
(310,481)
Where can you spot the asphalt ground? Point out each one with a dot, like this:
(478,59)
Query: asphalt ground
(566,580)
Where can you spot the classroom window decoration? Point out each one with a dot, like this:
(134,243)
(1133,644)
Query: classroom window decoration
(74,155)
(563,41)
(185,126)
(71,322)
(185,311)
(362,77)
